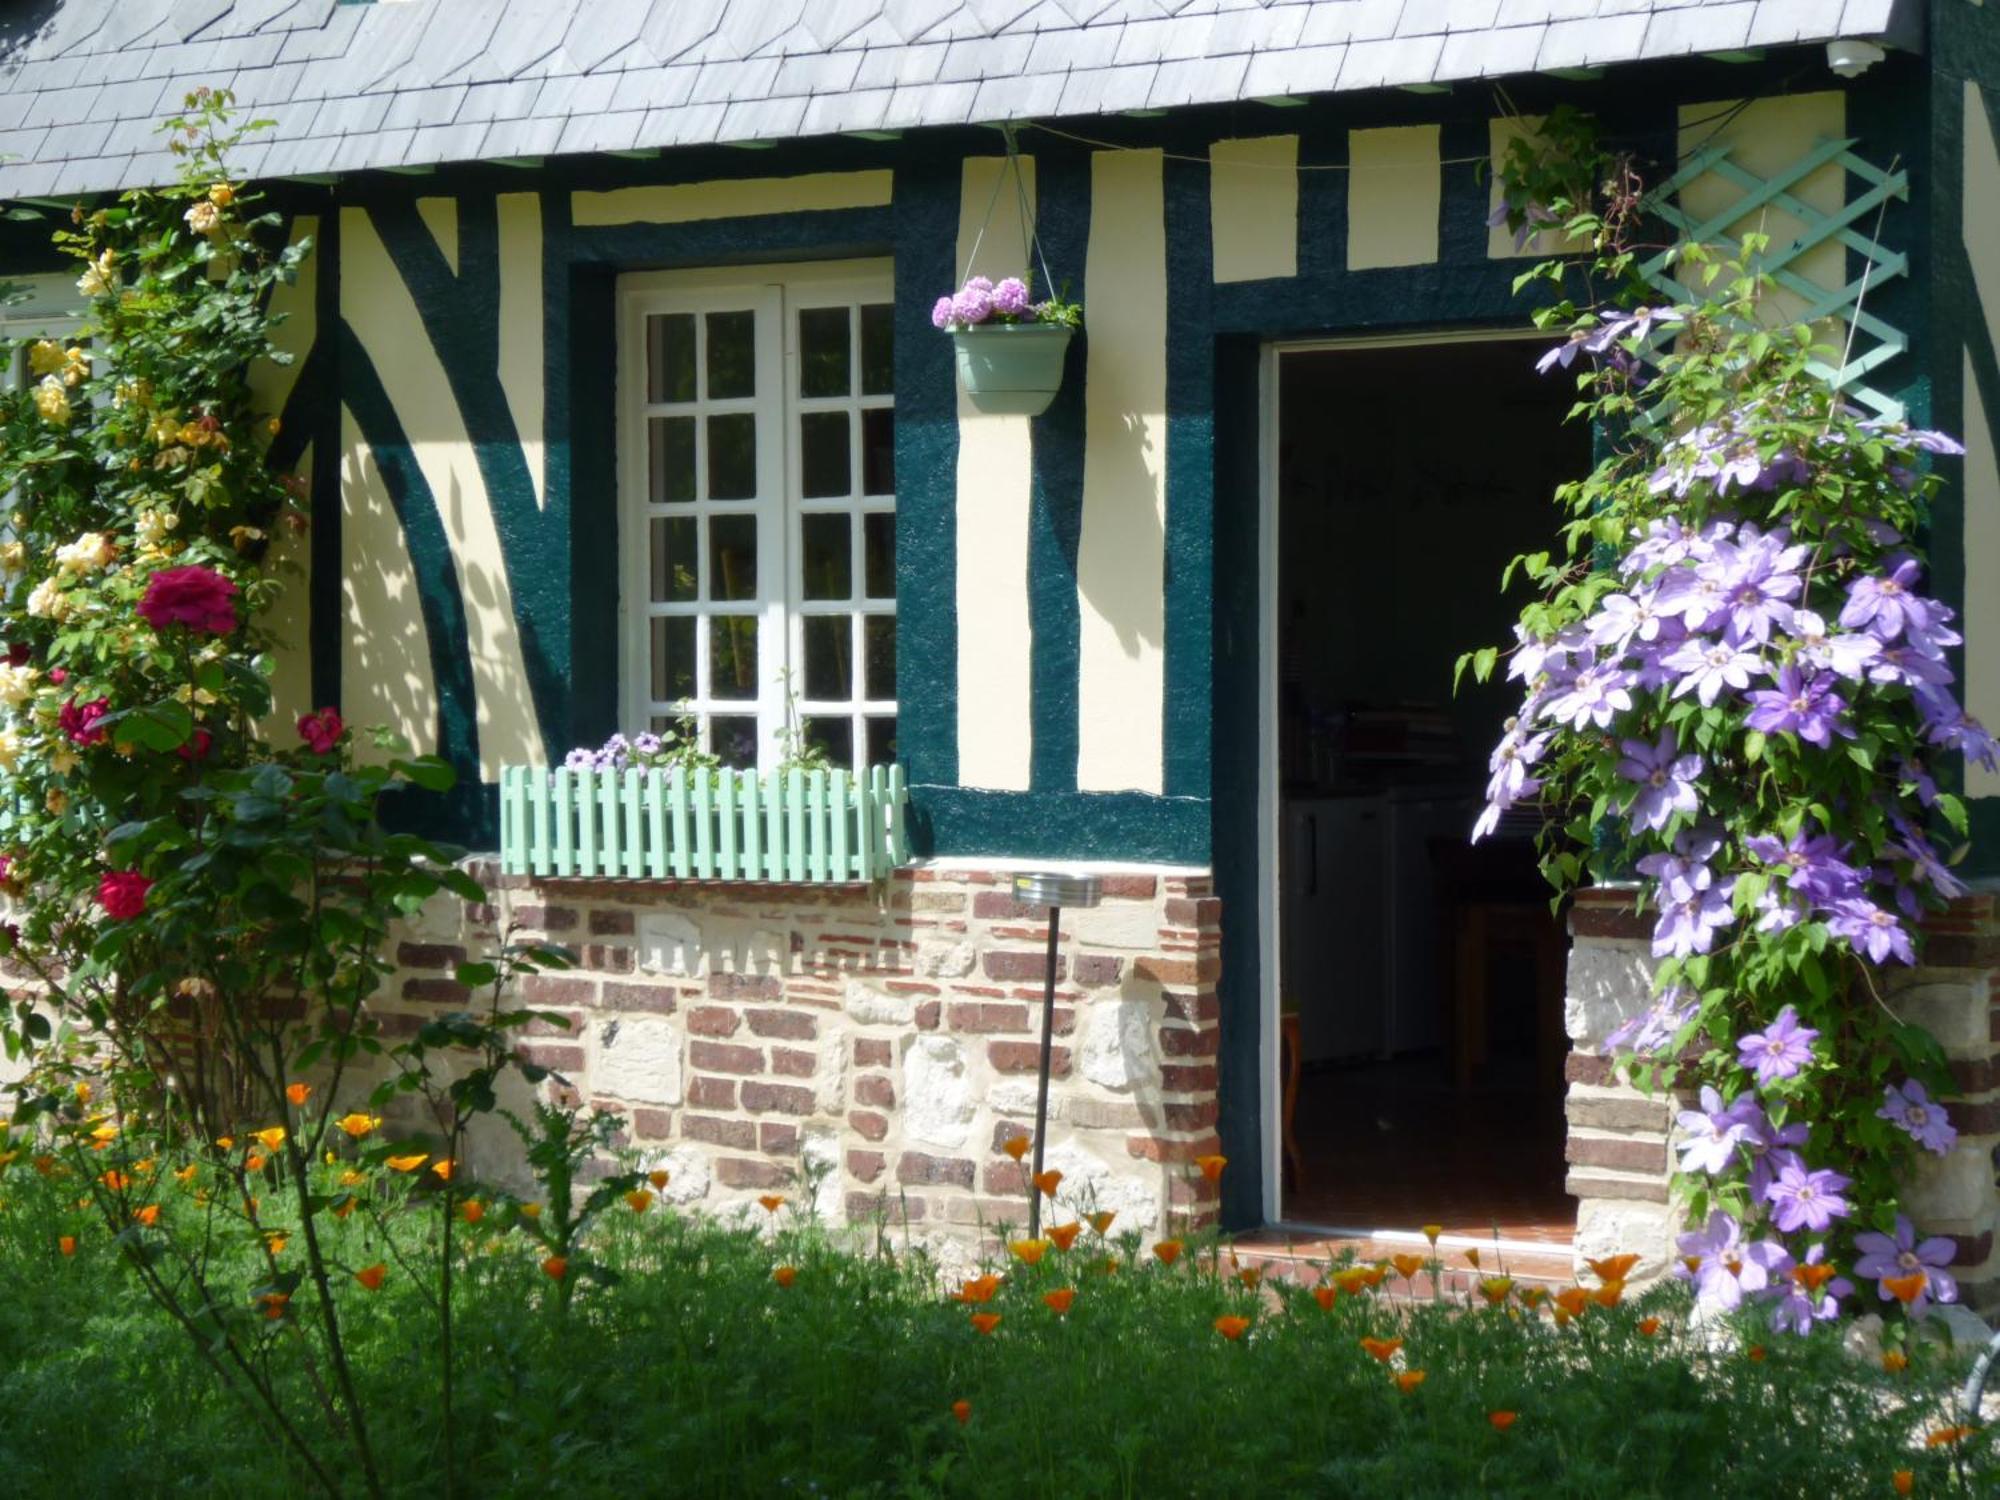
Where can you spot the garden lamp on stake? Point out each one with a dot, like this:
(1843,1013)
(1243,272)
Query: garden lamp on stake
(1055,890)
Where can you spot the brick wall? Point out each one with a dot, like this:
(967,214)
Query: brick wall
(1619,1138)
(888,1033)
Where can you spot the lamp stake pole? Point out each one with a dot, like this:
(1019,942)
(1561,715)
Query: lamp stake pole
(1042,1081)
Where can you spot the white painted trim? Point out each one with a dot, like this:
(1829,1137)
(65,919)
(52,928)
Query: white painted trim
(978,863)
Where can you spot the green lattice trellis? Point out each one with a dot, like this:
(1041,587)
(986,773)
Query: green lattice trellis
(1883,340)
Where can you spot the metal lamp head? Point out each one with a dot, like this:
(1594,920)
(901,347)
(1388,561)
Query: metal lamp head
(1066,888)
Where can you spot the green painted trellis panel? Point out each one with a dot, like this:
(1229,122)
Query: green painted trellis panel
(1883,340)
(808,827)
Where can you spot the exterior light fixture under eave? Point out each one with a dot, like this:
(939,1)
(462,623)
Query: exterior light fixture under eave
(1849,58)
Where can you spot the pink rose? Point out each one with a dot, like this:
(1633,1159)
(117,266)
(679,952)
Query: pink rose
(80,721)
(321,731)
(122,894)
(58,675)
(197,597)
(197,747)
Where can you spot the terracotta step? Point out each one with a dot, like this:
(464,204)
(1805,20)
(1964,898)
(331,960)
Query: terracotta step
(1299,1256)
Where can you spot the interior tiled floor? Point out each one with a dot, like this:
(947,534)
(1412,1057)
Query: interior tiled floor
(1393,1146)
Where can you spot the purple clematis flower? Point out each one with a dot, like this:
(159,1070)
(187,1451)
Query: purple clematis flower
(1884,1256)
(1814,866)
(1707,667)
(1875,933)
(1665,778)
(1798,1306)
(1722,1267)
(1624,618)
(1689,924)
(1803,705)
(1714,1135)
(1846,655)
(1912,1109)
(1655,1027)
(1804,1199)
(1887,604)
(1780,1050)
(1597,694)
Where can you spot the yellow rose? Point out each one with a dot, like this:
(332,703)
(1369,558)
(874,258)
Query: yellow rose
(13,556)
(222,195)
(10,748)
(203,217)
(17,684)
(45,357)
(52,400)
(99,278)
(47,601)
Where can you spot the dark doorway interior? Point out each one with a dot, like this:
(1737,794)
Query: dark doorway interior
(1420,977)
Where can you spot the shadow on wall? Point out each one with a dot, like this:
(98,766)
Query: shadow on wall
(1126,481)
(386,667)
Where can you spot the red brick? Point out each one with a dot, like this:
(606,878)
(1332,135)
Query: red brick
(868,1125)
(927,1015)
(875,1089)
(388,1023)
(1006,1179)
(1982,1118)
(551,1055)
(1001,906)
(1131,887)
(558,989)
(1017,966)
(429,955)
(778,1098)
(439,991)
(1621,1155)
(705,1092)
(1095,969)
(661,999)
(871,1053)
(1197,1116)
(789,1062)
(1196,1007)
(864,1208)
(774,1139)
(1187,973)
(1006,1130)
(733,1171)
(1181,1078)
(867,1165)
(1975,1076)
(1179,1041)
(1199,912)
(610,922)
(546,918)
(917,1169)
(655,1124)
(792,1025)
(555,1023)
(746,986)
(607,958)
(1152,1148)
(713,1020)
(722,1057)
(980,1018)
(740,1134)
(1025,1057)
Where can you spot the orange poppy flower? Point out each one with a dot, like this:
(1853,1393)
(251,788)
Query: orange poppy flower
(531,1210)
(1250,1276)
(67,1244)
(1230,1326)
(1047,1182)
(979,1289)
(1895,1361)
(254,1162)
(1168,1251)
(1609,1295)
(1813,1276)
(1472,1259)
(356,1125)
(556,1267)
(407,1163)
(659,1177)
(1065,1235)
(638,1200)
(1211,1166)
(46,1165)
(1382,1349)
(115,1180)
(1431,1233)
(1903,1481)
(276,1243)
(1409,1380)
(1612,1267)
(371,1276)
(1502,1420)
(962,1410)
(472,1210)
(1495,1289)
(1407,1266)
(1572,1300)
(1325,1296)
(273,1137)
(1649,1326)
(1110,1266)
(985,1322)
(225,1142)
(1756,1353)
(1374,1276)
(274,1304)
(1016,1146)
(1534,1296)
(1906,1289)
(344,1207)
(771,1202)
(1101,1221)
(1059,1300)
(443,1169)
(186,1174)
(1351,1279)
(1028,1252)
(352,1178)
(1945,1436)
(298,1093)
(103,1136)
(785,1275)
(149,1215)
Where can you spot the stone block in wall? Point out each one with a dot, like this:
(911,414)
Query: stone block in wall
(1954,1193)
(1610,980)
(1953,1005)
(1118,1051)
(876,1005)
(938,1105)
(1115,924)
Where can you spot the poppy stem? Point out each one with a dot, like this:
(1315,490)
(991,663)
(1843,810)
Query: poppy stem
(1042,1076)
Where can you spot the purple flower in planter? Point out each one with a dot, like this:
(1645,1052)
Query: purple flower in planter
(1595,697)
(1714,1134)
(580,760)
(1010,296)
(1911,1108)
(1655,1027)
(1804,1199)
(973,304)
(1875,933)
(1722,1267)
(1887,604)
(1780,1050)
(1803,705)
(1665,778)
(942,312)
(1707,667)
(1884,1257)
(1844,655)
(1798,1306)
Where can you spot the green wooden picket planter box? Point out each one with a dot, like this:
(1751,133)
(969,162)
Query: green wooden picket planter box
(1011,368)
(817,827)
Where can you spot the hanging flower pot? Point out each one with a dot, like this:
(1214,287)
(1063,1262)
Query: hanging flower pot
(1010,349)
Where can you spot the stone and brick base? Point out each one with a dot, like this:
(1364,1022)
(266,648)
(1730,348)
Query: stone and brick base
(1619,1138)
(880,1042)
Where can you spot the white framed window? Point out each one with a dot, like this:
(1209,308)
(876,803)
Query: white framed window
(47,309)
(758,508)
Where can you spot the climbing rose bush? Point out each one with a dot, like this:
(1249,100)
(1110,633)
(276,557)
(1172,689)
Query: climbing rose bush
(1737,691)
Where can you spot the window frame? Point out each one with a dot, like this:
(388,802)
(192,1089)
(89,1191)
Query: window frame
(777,292)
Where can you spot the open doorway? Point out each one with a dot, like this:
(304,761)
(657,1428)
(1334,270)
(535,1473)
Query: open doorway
(1420,978)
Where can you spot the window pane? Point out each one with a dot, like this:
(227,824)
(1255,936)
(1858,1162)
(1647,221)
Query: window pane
(673,659)
(829,657)
(732,457)
(732,355)
(878,537)
(671,444)
(835,737)
(674,559)
(880,634)
(823,351)
(827,572)
(735,740)
(732,557)
(823,458)
(882,741)
(670,357)
(878,451)
(878,349)
(732,656)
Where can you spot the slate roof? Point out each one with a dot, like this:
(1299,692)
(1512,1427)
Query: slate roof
(425,82)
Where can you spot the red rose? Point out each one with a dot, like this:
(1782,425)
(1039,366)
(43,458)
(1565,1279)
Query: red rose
(19,654)
(197,597)
(197,747)
(122,894)
(58,675)
(80,720)
(321,730)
